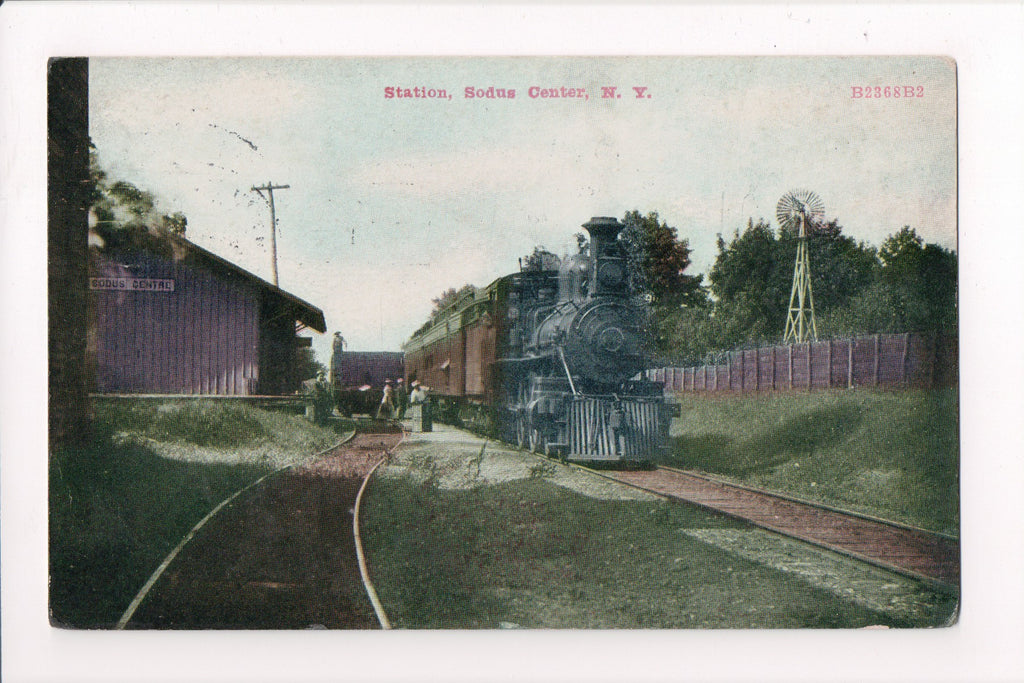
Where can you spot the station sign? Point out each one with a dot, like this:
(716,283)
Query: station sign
(131,284)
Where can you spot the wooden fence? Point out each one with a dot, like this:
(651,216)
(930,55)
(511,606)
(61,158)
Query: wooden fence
(881,360)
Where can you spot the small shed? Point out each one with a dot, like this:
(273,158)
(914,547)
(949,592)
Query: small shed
(358,368)
(169,317)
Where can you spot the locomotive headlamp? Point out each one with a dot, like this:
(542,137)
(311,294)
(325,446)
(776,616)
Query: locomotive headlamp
(610,272)
(611,339)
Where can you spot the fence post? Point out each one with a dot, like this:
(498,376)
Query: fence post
(906,354)
(849,364)
(876,359)
(810,349)
(829,383)
(743,370)
(757,369)
(790,347)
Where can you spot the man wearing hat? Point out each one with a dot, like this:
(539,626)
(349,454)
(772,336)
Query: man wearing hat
(401,398)
(416,397)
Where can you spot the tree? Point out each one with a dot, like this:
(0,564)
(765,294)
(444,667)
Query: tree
(126,216)
(754,268)
(68,192)
(307,366)
(661,259)
(449,297)
(901,252)
(925,275)
(913,290)
(753,275)
(658,281)
(540,259)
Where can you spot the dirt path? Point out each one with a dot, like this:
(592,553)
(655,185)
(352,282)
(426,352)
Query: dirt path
(280,557)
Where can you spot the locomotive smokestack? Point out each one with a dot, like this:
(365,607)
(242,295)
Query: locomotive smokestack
(603,231)
(607,272)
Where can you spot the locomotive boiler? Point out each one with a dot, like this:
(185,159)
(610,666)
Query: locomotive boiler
(555,354)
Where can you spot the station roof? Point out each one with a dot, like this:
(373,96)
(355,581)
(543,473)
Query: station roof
(305,312)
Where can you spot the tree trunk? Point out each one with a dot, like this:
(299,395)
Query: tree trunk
(67,247)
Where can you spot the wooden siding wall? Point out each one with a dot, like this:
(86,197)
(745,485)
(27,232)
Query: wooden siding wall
(355,368)
(479,355)
(202,338)
(889,360)
(425,364)
(277,351)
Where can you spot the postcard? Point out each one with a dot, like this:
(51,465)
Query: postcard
(649,346)
(550,253)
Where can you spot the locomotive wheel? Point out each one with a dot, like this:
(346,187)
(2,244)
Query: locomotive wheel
(556,452)
(538,444)
(521,434)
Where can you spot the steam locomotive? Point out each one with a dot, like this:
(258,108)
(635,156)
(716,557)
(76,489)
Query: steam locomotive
(551,358)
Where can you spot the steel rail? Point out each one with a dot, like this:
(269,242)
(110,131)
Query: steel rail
(833,547)
(364,572)
(810,503)
(869,559)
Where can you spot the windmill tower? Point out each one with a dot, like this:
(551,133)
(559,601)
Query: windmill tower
(800,210)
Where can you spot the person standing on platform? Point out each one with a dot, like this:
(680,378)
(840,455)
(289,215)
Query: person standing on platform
(415,397)
(401,398)
(386,410)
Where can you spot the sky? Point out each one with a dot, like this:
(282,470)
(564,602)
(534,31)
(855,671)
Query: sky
(392,200)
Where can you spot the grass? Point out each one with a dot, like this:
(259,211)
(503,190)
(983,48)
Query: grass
(531,554)
(890,454)
(150,472)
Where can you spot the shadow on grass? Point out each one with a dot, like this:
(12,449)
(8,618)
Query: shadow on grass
(765,449)
(115,513)
(537,555)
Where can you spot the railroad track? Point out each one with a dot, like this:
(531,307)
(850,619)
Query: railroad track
(925,555)
(280,553)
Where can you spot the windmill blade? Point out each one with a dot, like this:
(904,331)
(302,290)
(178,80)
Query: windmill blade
(798,204)
(814,208)
(788,211)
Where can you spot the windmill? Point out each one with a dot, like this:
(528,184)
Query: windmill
(800,210)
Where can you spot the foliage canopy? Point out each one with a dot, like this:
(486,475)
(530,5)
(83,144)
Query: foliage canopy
(127,216)
(905,285)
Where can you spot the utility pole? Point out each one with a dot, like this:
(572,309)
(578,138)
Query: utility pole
(270,187)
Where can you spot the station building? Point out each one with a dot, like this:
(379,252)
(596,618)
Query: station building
(169,317)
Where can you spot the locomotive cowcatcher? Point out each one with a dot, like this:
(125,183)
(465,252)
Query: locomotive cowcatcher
(551,358)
